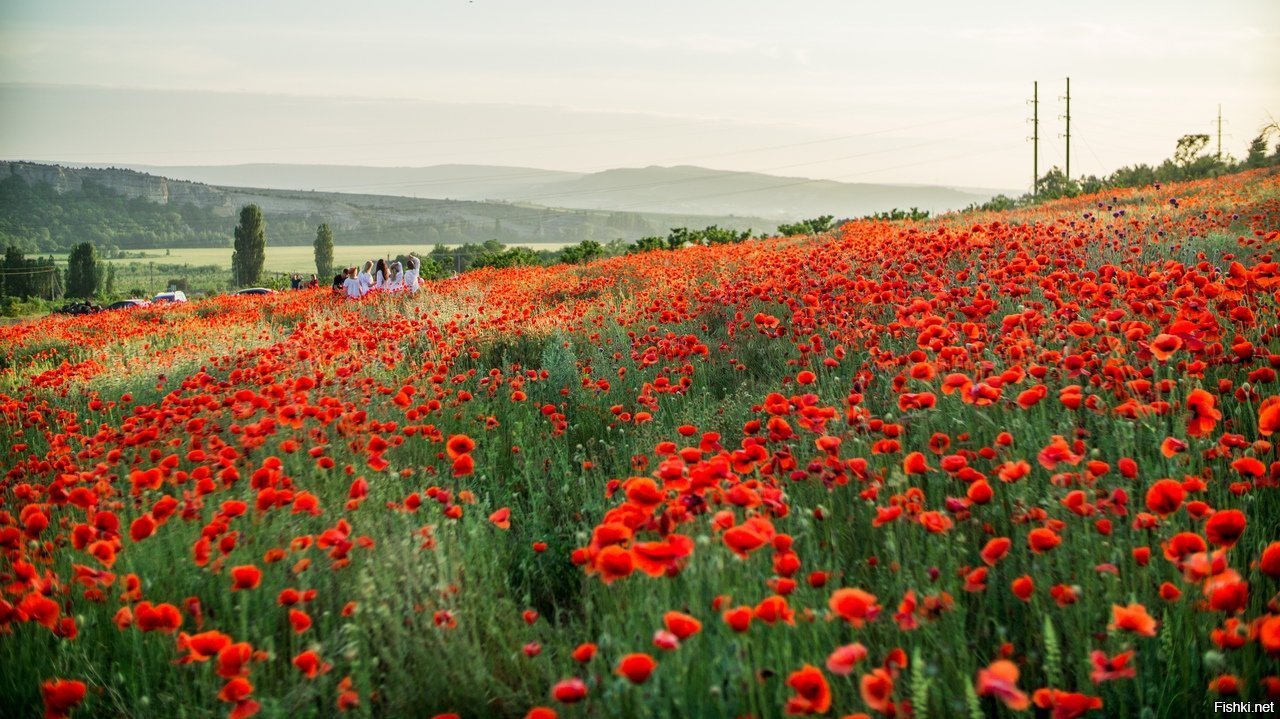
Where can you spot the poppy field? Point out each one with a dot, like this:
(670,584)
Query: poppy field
(1015,464)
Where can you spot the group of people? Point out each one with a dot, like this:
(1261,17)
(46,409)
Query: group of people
(297,283)
(378,276)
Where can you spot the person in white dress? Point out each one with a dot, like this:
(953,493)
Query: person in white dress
(366,277)
(397,277)
(352,286)
(411,274)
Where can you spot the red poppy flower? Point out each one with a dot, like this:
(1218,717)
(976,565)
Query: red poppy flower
(1225,527)
(636,667)
(1000,680)
(813,696)
(854,605)
(310,664)
(245,576)
(61,696)
(680,624)
(1133,618)
(842,660)
(569,691)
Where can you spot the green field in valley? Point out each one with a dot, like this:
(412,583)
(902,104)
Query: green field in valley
(295,258)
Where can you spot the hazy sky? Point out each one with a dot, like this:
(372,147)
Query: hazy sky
(864,92)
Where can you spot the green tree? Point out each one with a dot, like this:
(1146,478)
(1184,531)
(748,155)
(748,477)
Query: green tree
(583,252)
(1189,148)
(647,244)
(83,271)
(109,282)
(511,257)
(679,236)
(814,226)
(1055,184)
(250,247)
(1257,156)
(14,275)
(324,251)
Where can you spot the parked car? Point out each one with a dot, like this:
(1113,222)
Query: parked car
(78,308)
(255,291)
(174,296)
(128,304)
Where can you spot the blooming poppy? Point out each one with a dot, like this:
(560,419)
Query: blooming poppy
(1065,705)
(1225,527)
(854,605)
(1107,669)
(680,624)
(569,691)
(842,660)
(310,664)
(245,576)
(876,688)
(61,696)
(1132,618)
(1000,680)
(813,695)
(636,667)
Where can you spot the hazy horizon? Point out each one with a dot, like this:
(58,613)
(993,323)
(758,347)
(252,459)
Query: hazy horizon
(823,90)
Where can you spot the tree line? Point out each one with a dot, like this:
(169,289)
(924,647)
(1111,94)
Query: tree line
(1191,160)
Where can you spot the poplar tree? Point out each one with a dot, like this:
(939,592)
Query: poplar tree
(250,247)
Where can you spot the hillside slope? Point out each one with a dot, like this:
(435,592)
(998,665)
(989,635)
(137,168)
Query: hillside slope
(50,207)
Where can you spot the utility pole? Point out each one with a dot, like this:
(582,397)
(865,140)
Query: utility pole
(1035,138)
(1068,135)
(1219,131)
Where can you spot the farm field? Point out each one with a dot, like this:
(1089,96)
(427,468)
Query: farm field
(284,259)
(1015,464)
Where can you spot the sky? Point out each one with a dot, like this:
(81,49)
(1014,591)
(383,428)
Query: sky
(921,92)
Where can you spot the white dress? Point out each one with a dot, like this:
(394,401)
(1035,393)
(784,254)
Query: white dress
(411,274)
(366,282)
(352,287)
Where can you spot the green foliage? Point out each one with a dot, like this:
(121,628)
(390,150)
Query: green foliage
(29,277)
(324,251)
(1190,161)
(37,218)
(1257,156)
(813,226)
(715,235)
(646,244)
(84,273)
(433,270)
(510,257)
(683,236)
(915,214)
(586,251)
(109,281)
(250,247)
(1189,148)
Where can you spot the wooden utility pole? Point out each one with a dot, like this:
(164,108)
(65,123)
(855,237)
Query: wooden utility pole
(1035,138)
(1068,134)
(1219,131)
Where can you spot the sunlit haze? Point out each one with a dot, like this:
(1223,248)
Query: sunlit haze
(933,93)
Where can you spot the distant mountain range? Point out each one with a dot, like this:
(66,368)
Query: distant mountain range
(46,207)
(683,190)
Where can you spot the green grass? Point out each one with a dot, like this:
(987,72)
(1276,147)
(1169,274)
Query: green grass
(280,259)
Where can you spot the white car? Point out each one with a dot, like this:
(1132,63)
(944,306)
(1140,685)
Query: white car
(175,296)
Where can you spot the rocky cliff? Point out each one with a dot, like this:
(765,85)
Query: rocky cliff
(128,183)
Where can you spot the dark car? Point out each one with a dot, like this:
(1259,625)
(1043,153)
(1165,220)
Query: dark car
(128,304)
(255,291)
(78,308)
